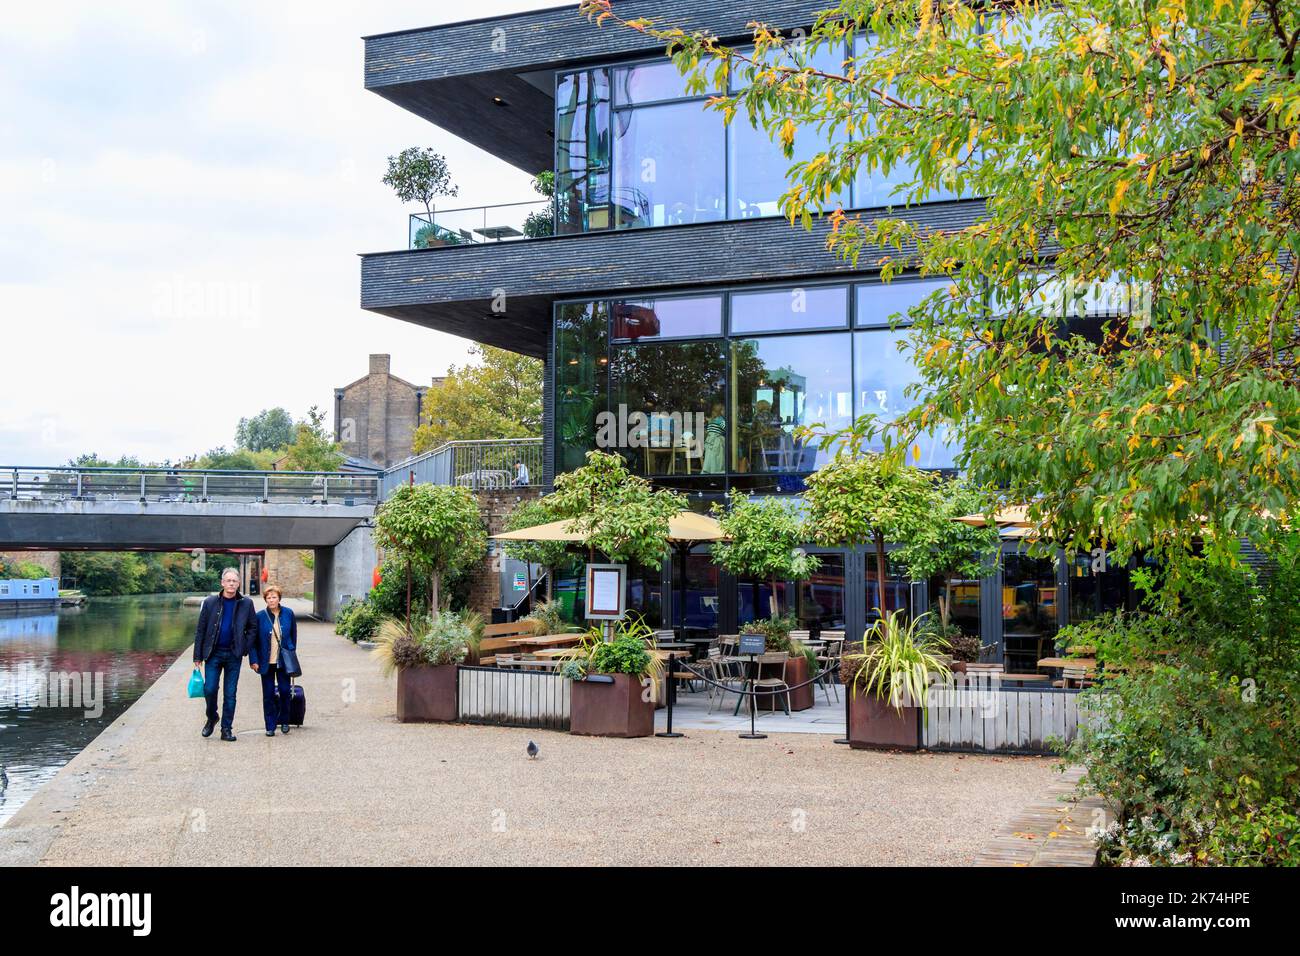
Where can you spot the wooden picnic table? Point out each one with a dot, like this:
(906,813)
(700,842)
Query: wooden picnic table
(1057,663)
(547,640)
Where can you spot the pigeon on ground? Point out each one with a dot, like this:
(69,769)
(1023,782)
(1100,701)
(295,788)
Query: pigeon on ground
(532,750)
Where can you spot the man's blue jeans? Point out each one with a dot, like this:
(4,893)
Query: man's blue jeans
(229,663)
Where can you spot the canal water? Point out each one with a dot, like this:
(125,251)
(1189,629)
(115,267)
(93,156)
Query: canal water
(101,657)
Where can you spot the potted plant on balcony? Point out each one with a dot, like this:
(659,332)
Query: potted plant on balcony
(614,683)
(424,657)
(887,683)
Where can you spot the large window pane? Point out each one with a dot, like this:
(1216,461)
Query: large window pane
(821,597)
(581,379)
(700,614)
(582,151)
(898,589)
(758,168)
(1029,611)
(668,403)
(882,374)
(780,384)
(962,595)
(806,307)
(882,303)
(668,318)
(648,82)
(668,165)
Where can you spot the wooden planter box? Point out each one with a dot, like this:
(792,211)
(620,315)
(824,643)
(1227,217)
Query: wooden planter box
(796,672)
(426,694)
(875,725)
(597,709)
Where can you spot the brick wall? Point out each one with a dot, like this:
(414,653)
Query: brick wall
(288,569)
(485,580)
(375,417)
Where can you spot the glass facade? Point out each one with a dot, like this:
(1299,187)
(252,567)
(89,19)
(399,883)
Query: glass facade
(1029,611)
(714,390)
(635,148)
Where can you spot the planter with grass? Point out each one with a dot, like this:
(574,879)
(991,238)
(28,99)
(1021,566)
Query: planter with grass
(425,657)
(887,684)
(609,694)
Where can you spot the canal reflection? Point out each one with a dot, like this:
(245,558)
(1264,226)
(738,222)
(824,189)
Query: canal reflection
(125,643)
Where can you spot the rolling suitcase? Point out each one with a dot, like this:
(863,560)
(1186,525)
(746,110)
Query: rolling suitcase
(297,705)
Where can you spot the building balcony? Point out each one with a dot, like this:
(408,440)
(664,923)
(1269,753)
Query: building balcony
(479,224)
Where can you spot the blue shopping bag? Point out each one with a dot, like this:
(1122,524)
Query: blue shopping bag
(196,683)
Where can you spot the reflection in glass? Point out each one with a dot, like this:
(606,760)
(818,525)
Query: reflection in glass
(821,597)
(963,598)
(754,599)
(1098,586)
(898,589)
(648,82)
(701,611)
(882,303)
(758,167)
(882,376)
(781,384)
(779,310)
(665,396)
(668,165)
(582,151)
(581,379)
(668,318)
(1029,610)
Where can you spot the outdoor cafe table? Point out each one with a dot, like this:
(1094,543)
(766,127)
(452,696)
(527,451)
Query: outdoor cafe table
(1057,663)
(547,640)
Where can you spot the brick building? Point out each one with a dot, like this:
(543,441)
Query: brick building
(376,416)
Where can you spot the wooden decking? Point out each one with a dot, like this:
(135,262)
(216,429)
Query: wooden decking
(1053,831)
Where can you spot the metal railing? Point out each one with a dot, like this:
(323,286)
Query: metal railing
(477,224)
(24,483)
(488,465)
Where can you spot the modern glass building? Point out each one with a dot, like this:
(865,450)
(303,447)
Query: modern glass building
(683,322)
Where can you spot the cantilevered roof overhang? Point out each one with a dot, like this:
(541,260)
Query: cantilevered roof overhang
(501,293)
(487,81)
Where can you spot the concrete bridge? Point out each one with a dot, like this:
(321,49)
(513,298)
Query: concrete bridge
(168,509)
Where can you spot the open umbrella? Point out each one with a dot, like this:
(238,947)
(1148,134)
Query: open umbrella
(685,529)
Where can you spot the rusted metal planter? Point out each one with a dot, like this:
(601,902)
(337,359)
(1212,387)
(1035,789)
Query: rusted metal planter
(801,698)
(426,694)
(875,725)
(600,709)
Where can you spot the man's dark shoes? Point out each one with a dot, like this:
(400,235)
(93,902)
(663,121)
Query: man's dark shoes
(207,727)
(284,728)
(270,733)
(227,735)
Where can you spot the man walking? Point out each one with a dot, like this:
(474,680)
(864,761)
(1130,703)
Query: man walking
(227,628)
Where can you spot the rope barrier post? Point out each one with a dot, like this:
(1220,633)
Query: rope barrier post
(848,696)
(670,695)
(753,703)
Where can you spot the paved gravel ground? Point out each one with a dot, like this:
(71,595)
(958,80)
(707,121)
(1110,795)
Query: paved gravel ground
(354,787)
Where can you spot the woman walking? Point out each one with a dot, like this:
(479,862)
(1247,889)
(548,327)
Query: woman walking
(277,631)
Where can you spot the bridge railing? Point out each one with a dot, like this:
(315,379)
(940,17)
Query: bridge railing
(478,465)
(187,485)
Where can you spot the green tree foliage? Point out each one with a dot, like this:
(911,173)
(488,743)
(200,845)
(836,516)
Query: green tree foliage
(862,498)
(131,572)
(765,535)
(437,528)
(619,515)
(419,175)
(268,429)
(240,459)
(500,396)
(938,545)
(1155,143)
(313,447)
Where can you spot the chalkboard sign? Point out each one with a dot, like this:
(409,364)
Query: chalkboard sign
(752,644)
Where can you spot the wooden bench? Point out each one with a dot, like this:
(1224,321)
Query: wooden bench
(501,637)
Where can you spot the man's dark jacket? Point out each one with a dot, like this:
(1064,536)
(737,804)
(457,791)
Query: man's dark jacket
(243,627)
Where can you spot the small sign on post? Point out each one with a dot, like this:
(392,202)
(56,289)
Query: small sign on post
(606,591)
(752,644)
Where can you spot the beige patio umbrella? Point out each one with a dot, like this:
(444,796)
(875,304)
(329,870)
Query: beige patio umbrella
(1003,517)
(686,528)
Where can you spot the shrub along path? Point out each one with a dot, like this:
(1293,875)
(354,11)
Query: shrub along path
(356,787)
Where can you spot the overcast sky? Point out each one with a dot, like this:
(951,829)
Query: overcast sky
(184,189)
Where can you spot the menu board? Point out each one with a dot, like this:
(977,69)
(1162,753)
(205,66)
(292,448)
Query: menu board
(606,590)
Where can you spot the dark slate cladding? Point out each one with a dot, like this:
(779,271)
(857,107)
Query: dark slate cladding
(454,75)
(451,288)
(559,36)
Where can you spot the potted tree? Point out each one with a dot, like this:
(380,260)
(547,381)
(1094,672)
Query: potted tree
(799,669)
(887,683)
(614,683)
(421,174)
(424,654)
